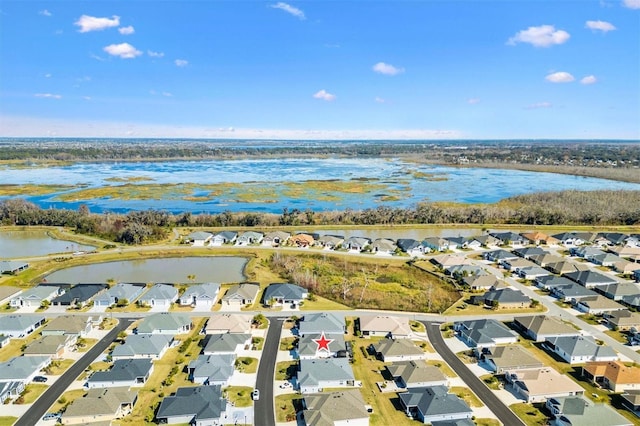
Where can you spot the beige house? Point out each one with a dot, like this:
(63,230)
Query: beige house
(542,327)
(336,408)
(623,320)
(536,385)
(510,357)
(392,350)
(54,346)
(100,405)
(241,294)
(385,326)
(229,323)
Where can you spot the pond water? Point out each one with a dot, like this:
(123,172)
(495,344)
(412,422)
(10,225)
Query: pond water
(16,244)
(395,183)
(217,269)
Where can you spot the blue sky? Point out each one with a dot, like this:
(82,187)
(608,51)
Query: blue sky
(430,69)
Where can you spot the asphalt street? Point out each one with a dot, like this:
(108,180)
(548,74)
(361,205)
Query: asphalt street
(42,404)
(264,413)
(504,414)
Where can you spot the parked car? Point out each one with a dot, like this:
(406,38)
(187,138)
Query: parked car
(40,379)
(255,395)
(285,385)
(51,416)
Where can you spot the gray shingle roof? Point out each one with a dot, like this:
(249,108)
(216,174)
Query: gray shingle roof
(160,291)
(123,370)
(142,345)
(163,321)
(285,291)
(201,402)
(435,400)
(225,343)
(321,322)
(314,371)
(21,367)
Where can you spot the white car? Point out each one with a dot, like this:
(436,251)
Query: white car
(285,385)
(255,395)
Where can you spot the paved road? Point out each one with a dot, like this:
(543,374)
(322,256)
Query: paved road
(42,404)
(264,414)
(506,416)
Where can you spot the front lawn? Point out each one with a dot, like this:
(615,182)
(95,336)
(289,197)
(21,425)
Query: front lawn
(287,406)
(467,395)
(65,399)
(59,366)
(285,370)
(31,392)
(529,414)
(240,396)
(247,365)
(288,343)
(7,420)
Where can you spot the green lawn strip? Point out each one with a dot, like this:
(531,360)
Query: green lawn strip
(65,399)
(31,392)
(417,327)
(317,303)
(240,396)
(7,420)
(247,365)
(487,422)
(287,406)
(617,335)
(287,343)
(285,370)
(467,395)
(424,345)
(85,343)
(491,381)
(530,414)
(59,366)
(257,342)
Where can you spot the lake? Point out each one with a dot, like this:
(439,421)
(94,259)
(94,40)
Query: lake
(16,244)
(269,185)
(217,269)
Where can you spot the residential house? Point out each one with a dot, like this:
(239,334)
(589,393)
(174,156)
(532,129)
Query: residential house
(613,375)
(275,238)
(302,240)
(537,238)
(8,292)
(542,327)
(322,322)
(121,292)
(551,281)
(626,267)
(212,369)
(151,346)
(436,244)
(197,406)
(284,294)
(605,259)
(229,323)
(590,279)
(79,294)
(544,260)
(565,267)
(631,401)
(14,325)
(124,372)
(472,243)
(356,244)
(230,343)
(100,405)
(587,252)
(384,246)
(481,282)
(586,237)
(371,325)
(73,325)
(309,348)
(200,238)
(224,237)
(416,374)
(346,407)
(318,374)
(578,411)
(35,296)
(330,242)
(510,357)
(412,247)
(484,333)
(249,238)
(484,241)
(568,239)
(572,293)
(618,290)
(200,296)
(460,271)
(532,272)
(527,252)
(622,320)
(499,255)
(455,242)
(631,301)
(22,368)
(514,265)
(536,385)
(510,239)
(432,404)
(579,349)
(394,350)
(445,261)
(165,323)
(11,390)
(160,295)
(241,294)
(598,305)
(12,267)
(612,238)
(506,298)
(54,346)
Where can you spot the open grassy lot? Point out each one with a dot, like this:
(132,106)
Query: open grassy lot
(31,392)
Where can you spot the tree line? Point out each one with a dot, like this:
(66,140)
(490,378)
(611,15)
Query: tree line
(596,208)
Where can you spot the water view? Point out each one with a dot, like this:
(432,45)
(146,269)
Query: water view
(16,244)
(217,269)
(269,185)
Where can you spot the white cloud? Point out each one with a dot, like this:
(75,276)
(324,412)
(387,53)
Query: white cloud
(539,105)
(155,54)
(560,77)
(632,4)
(123,50)
(181,62)
(44,12)
(590,79)
(473,101)
(289,9)
(126,30)
(542,36)
(379,100)
(48,95)
(167,94)
(387,69)
(324,95)
(86,98)
(600,26)
(91,23)
(47,75)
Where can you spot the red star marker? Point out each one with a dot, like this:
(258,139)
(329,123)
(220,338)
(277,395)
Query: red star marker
(323,343)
